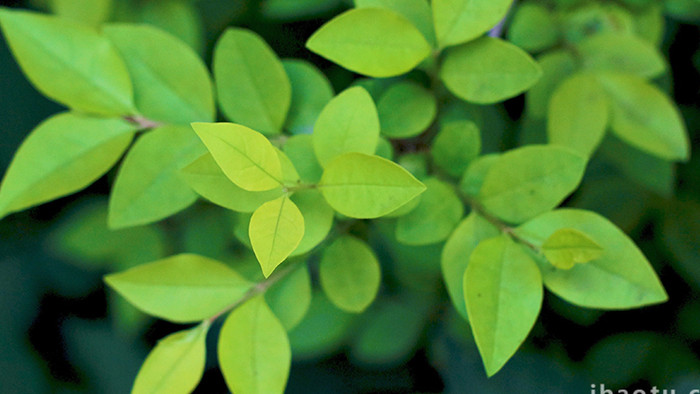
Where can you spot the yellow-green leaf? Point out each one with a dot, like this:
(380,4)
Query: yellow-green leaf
(364,186)
(175,365)
(488,70)
(311,91)
(183,288)
(290,298)
(405,110)
(251,83)
(350,274)
(246,157)
(371,41)
(205,177)
(275,230)
(254,352)
(568,246)
(148,186)
(622,53)
(349,123)
(578,114)
(531,180)
(416,11)
(436,215)
(621,278)
(646,118)
(456,253)
(503,293)
(69,62)
(458,21)
(89,12)
(318,219)
(62,155)
(171,83)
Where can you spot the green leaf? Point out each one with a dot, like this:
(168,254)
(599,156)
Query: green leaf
(89,12)
(62,155)
(276,228)
(175,365)
(246,157)
(391,331)
(456,253)
(653,173)
(456,145)
(148,187)
(646,118)
(622,53)
(350,274)
(620,279)
(556,66)
(178,17)
(488,70)
(93,78)
(436,215)
(503,293)
(183,288)
(252,86)
(311,91)
(568,246)
(578,114)
(322,331)
(85,239)
(300,150)
(254,352)
(458,21)
(349,123)
(206,178)
(171,83)
(531,180)
(473,178)
(385,149)
(318,219)
(290,298)
(405,110)
(296,10)
(533,28)
(363,186)
(416,11)
(371,41)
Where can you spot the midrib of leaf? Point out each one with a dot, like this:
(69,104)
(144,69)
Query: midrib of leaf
(67,64)
(617,275)
(166,285)
(276,230)
(159,178)
(497,308)
(245,154)
(366,184)
(62,166)
(183,101)
(166,377)
(253,83)
(528,181)
(453,22)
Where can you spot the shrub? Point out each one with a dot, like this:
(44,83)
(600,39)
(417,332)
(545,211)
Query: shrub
(368,201)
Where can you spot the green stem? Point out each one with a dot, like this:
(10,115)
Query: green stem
(258,289)
(496,222)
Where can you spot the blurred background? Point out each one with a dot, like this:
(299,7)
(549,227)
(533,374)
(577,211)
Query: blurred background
(61,331)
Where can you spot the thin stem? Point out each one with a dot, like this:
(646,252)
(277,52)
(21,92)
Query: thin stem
(142,122)
(496,222)
(258,289)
